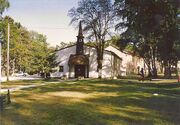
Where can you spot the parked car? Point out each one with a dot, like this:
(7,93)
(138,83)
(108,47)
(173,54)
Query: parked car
(20,74)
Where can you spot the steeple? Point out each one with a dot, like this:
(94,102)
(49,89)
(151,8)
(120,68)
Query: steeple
(80,41)
(80,34)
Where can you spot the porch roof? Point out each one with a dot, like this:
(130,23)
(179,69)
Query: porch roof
(78,60)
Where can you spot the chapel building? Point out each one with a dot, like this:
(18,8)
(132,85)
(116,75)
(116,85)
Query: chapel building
(80,60)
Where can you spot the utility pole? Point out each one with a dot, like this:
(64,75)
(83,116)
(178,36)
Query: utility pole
(8,52)
(0,62)
(0,54)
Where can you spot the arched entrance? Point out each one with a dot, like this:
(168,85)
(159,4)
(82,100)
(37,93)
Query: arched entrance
(80,63)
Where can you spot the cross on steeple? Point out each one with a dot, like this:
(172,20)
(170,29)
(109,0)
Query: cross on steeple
(80,41)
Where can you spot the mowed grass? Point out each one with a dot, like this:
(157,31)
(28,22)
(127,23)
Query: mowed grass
(17,83)
(96,102)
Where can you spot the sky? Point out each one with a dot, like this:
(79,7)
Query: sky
(48,17)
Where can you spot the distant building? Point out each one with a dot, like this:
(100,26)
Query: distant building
(81,61)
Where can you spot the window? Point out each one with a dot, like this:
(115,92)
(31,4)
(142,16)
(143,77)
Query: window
(61,69)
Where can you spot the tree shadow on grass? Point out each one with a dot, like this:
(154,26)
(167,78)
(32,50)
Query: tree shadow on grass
(111,86)
(111,102)
(67,114)
(162,108)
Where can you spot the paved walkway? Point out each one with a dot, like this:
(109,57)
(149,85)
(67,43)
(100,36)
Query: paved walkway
(32,86)
(11,78)
(26,86)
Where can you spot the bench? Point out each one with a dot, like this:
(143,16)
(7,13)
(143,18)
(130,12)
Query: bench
(4,99)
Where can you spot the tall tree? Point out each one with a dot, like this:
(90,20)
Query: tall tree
(151,26)
(19,41)
(4,4)
(29,51)
(43,58)
(98,18)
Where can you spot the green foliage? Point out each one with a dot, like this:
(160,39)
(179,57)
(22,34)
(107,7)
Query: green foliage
(29,51)
(95,102)
(4,4)
(64,44)
(90,44)
(152,27)
(113,41)
(43,58)
(98,18)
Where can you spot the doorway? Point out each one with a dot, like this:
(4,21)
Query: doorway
(79,71)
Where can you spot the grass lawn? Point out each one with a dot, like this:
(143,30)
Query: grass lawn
(96,102)
(12,84)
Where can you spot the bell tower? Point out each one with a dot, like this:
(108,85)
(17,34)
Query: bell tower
(80,41)
(79,61)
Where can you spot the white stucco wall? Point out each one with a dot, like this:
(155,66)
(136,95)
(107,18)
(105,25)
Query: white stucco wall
(127,59)
(92,61)
(63,57)
(139,62)
(107,69)
(64,54)
(107,64)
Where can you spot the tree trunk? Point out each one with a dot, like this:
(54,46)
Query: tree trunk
(149,72)
(161,67)
(45,75)
(13,70)
(100,52)
(167,70)
(148,63)
(154,69)
(100,68)
(176,70)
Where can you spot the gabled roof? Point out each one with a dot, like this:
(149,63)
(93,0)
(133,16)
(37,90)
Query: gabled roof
(75,45)
(116,51)
(66,47)
(119,52)
(111,49)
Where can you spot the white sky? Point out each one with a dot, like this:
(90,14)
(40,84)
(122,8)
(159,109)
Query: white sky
(48,17)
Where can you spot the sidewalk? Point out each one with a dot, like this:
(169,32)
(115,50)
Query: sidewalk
(31,86)
(4,79)
(26,86)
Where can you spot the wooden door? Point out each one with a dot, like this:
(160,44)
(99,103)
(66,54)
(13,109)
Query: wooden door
(79,71)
